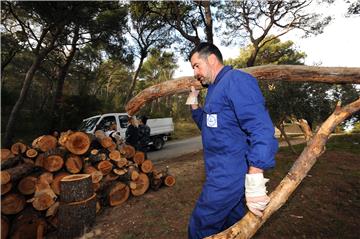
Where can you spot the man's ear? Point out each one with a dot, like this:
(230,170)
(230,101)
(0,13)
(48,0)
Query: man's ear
(212,59)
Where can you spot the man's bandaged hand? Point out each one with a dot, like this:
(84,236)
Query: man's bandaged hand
(255,193)
(193,97)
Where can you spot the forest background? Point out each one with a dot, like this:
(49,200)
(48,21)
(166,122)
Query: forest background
(64,61)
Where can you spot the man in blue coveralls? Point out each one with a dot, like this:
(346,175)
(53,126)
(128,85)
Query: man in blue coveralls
(238,140)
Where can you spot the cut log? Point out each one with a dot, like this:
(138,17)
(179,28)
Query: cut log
(5,188)
(47,176)
(11,162)
(147,166)
(44,196)
(268,72)
(74,163)
(64,137)
(105,167)
(104,140)
(26,186)
(249,224)
(75,188)
(55,185)
(133,173)
(98,207)
(52,211)
(96,186)
(44,143)
(5,154)
(115,155)
(4,227)
(139,157)
(20,171)
(39,161)
(119,171)
(53,163)
(31,153)
(112,147)
(75,217)
(28,224)
(12,203)
(77,143)
(96,175)
(169,180)
(112,176)
(142,185)
(127,150)
(5,177)
(118,194)
(122,162)
(18,148)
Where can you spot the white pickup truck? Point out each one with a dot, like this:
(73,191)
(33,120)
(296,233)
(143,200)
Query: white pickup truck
(160,128)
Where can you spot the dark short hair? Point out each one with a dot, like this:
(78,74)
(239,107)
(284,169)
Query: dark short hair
(144,119)
(205,49)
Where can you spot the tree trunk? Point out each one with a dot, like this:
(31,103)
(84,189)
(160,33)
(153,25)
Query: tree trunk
(133,82)
(62,71)
(305,128)
(39,57)
(294,73)
(75,217)
(75,188)
(288,141)
(250,223)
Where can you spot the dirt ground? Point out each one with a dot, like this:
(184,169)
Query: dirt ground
(325,205)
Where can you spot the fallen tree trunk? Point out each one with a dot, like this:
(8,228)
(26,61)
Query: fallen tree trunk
(293,73)
(250,223)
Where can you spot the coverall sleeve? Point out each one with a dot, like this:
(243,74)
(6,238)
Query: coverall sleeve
(197,116)
(249,107)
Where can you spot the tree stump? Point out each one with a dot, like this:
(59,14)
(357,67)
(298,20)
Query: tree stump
(75,217)
(76,188)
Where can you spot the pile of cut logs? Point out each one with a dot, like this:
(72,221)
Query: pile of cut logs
(32,178)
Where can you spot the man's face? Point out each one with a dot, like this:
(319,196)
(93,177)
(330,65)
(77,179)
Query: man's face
(202,69)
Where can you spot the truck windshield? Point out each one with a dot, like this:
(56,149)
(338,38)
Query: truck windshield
(88,125)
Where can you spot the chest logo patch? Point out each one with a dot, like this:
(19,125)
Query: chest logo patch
(211,120)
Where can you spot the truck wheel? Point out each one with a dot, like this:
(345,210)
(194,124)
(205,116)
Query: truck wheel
(158,143)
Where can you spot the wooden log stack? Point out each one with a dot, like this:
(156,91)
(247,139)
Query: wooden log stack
(59,184)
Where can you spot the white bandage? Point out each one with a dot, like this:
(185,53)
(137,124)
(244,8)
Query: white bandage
(255,193)
(193,97)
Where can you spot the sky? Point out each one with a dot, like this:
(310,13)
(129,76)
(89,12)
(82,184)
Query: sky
(337,46)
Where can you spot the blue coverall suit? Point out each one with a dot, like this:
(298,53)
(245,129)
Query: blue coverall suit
(237,132)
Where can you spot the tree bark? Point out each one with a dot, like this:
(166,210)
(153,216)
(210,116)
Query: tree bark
(250,223)
(340,75)
(39,57)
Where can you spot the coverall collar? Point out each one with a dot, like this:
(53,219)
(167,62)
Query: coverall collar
(222,73)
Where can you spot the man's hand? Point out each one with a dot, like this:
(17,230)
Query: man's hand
(193,97)
(255,193)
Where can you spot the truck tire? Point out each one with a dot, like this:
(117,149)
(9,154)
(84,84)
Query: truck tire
(158,143)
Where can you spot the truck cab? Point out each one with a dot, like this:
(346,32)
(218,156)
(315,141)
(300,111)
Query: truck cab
(160,128)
